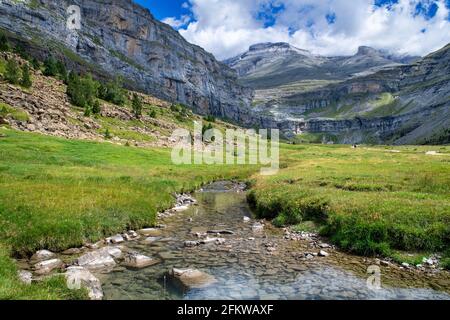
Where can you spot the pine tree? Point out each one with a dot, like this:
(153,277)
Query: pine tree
(12,72)
(50,67)
(62,71)
(136,105)
(4,44)
(26,77)
(35,64)
(96,109)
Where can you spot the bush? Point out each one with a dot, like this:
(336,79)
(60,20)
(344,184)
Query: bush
(12,72)
(113,92)
(20,50)
(136,105)
(152,114)
(4,44)
(108,135)
(26,77)
(210,118)
(82,90)
(50,67)
(35,64)
(62,71)
(96,109)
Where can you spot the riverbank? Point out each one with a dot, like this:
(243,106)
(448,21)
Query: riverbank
(369,200)
(59,194)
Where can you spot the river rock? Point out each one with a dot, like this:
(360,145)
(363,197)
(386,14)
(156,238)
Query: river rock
(136,260)
(247,219)
(78,277)
(151,239)
(42,255)
(71,251)
(47,266)
(192,278)
(220,232)
(324,245)
(323,253)
(115,239)
(25,276)
(180,208)
(190,244)
(213,240)
(258,227)
(150,232)
(100,259)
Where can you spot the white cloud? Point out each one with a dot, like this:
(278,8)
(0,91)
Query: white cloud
(177,23)
(228,27)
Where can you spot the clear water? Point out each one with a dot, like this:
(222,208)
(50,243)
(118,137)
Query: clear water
(246,269)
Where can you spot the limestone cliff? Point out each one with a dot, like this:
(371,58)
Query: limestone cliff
(119,37)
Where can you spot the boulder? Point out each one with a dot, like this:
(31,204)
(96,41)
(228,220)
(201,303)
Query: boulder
(323,253)
(258,227)
(191,278)
(213,240)
(42,255)
(151,239)
(115,239)
(180,208)
(79,277)
(189,244)
(25,276)
(220,232)
(71,251)
(136,260)
(247,219)
(47,266)
(150,232)
(100,259)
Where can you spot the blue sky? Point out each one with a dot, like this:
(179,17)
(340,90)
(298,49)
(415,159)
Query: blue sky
(328,27)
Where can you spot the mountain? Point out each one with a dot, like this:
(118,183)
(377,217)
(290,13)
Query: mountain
(400,104)
(269,65)
(121,38)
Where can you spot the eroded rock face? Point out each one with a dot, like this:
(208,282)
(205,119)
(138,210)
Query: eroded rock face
(122,38)
(79,277)
(192,278)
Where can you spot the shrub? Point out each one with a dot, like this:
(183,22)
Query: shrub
(113,92)
(50,67)
(62,71)
(82,90)
(210,118)
(152,114)
(20,50)
(96,109)
(136,105)
(4,44)
(12,72)
(26,77)
(107,134)
(35,64)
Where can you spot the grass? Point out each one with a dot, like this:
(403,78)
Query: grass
(16,113)
(57,193)
(367,200)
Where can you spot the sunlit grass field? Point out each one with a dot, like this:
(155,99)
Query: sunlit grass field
(369,200)
(57,193)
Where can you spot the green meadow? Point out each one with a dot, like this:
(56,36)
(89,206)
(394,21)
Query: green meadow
(57,193)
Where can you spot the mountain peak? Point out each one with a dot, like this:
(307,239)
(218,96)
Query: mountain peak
(367,51)
(277,46)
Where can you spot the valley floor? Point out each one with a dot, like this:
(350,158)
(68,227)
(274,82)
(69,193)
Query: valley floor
(57,193)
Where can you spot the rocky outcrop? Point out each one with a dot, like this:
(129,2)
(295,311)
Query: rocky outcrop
(119,37)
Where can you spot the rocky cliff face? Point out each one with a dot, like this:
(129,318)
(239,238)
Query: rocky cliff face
(118,37)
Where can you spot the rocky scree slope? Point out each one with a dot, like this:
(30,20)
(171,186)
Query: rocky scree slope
(119,37)
(45,108)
